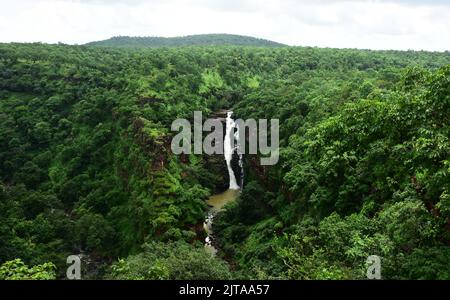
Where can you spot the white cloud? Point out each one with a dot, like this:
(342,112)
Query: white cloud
(376,24)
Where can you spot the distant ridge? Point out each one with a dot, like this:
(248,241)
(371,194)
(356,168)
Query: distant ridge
(189,40)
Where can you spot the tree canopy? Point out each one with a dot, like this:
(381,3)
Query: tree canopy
(86,166)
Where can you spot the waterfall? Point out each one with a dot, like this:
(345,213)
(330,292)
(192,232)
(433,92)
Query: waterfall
(239,152)
(229,148)
(218,201)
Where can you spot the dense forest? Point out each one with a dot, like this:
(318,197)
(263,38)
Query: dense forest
(189,40)
(86,166)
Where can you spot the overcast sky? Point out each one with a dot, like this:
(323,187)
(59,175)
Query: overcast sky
(382,24)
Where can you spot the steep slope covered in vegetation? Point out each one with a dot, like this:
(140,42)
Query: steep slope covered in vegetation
(372,178)
(86,166)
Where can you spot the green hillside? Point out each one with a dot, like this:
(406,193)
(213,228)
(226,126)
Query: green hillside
(190,40)
(86,165)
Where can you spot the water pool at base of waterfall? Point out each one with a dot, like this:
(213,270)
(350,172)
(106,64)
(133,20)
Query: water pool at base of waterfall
(217,202)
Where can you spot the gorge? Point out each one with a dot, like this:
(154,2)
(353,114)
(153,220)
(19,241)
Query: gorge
(86,164)
(218,201)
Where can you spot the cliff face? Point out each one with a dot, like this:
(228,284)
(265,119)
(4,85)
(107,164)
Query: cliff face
(216,162)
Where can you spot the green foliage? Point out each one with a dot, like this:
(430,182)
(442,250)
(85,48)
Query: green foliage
(372,174)
(429,263)
(17,270)
(211,81)
(173,260)
(304,261)
(94,233)
(341,246)
(86,166)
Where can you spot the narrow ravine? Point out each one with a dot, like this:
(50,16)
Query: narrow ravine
(218,201)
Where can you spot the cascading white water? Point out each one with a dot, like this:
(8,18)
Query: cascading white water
(239,152)
(228,149)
